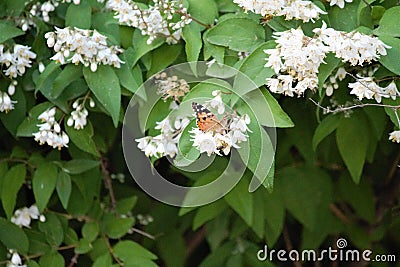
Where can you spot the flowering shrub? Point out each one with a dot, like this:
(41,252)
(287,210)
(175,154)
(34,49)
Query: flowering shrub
(255,120)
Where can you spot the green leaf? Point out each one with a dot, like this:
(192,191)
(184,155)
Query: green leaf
(79,16)
(8,31)
(353,145)
(103,261)
(208,212)
(12,182)
(70,73)
(164,56)
(172,255)
(390,60)
(274,211)
(187,152)
(84,246)
(53,230)
(43,184)
(301,185)
(29,125)
(325,128)
(130,250)
(77,166)
(116,227)
(37,242)
(129,78)
(344,19)
(53,258)
(253,66)
(70,237)
(13,119)
(211,50)
(83,138)
(64,188)
(388,25)
(239,34)
(90,231)
(45,80)
(241,201)
(141,46)
(192,36)
(205,11)
(13,237)
(325,70)
(104,84)
(14,8)
(126,205)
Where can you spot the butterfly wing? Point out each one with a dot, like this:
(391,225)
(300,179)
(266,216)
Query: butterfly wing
(206,120)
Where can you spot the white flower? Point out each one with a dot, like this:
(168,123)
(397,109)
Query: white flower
(291,9)
(158,20)
(366,88)
(395,136)
(50,131)
(204,142)
(78,116)
(16,61)
(216,102)
(22,217)
(6,104)
(339,3)
(87,47)
(391,91)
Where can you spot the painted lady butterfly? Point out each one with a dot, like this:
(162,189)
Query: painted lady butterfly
(206,120)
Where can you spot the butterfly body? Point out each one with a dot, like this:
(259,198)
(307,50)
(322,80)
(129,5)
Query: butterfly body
(206,121)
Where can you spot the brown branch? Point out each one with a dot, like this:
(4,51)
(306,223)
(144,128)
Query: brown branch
(110,249)
(194,242)
(143,233)
(108,182)
(338,213)
(74,260)
(288,243)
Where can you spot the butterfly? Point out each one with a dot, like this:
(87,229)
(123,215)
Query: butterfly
(206,120)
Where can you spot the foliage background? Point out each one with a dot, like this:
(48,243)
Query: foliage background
(94,218)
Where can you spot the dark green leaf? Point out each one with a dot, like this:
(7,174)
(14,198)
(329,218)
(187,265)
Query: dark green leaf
(83,138)
(104,84)
(90,231)
(13,237)
(64,187)
(208,212)
(116,227)
(388,25)
(390,60)
(205,11)
(253,67)
(164,56)
(128,250)
(84,246)
(192,36)
(43,184)
(8,31)
(77,166)
(103,261)
(69,74)
(12,182)
(353,145)
(52,229)
(325,128)
(141,46)
(239,34)
(79,16)
(241,200)
(52,259)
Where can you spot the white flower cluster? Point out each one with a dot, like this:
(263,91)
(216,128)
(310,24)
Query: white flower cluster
(16,61)
(165,143)
(339,3)
(50,131)
(15,259)
(297,57)
(23,217)
(291,9)
(395,136)
(171,86)
(216,102)
(222,142)
(88,47)
(6,104)
(332,82)
(78,116)
(38,10)
(365,87)
(165,18)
